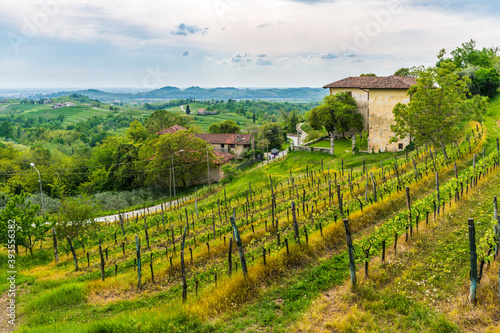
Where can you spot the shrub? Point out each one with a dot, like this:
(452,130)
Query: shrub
(361,142)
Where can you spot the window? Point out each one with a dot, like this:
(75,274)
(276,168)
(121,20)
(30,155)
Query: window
(232,146)
(222,145)
(349,92)
(400,146)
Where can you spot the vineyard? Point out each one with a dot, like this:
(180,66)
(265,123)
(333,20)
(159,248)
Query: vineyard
(222,247)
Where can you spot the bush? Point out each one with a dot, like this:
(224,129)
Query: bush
(313,135)
(248,153)
(229,173)
(361,142)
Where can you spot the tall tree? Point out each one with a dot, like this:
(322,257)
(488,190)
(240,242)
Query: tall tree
(273,133)
(6,129)
(188,110)
(162,119)
(22,216)
(337,113)
(75,218)
(227,126)
(438,106)
(136,132)
(486,81)
(189,165)
(403,72)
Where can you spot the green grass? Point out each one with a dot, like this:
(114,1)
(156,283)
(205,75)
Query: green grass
(278,306)
(286,302)
(72,114)
(205,121)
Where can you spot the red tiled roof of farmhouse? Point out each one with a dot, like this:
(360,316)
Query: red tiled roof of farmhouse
(223,157)
(171,130)
(374,82)
(230,139)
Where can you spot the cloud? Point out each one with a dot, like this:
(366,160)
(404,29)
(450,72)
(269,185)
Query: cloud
(184,30)
(265,25)
(241,57)
(312,1)
(328,56)
(263,62)
(185,53)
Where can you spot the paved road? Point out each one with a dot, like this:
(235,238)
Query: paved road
(281,155)
(140,212)
(294,138)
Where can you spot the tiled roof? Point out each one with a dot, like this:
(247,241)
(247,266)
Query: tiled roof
(230,139)
(374,82)
(171,130)
(224,157)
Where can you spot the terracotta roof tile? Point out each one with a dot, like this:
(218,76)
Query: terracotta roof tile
(374,82)
(230,139)
(224,157)
(171,130)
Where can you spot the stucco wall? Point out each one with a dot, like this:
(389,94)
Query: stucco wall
(361,98)
(237,150)
(376,109)
(382,102)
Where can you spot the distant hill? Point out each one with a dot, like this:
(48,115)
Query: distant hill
(313,94)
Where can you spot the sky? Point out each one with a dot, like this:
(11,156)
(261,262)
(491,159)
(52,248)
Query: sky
(149,44)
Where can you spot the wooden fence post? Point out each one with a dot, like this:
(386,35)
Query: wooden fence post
(473,261)
(350,250)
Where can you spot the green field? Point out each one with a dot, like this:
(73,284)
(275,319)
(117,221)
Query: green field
(72,114)
(204,122)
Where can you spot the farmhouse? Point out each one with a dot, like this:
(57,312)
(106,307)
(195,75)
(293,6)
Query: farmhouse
(229,143)
(376,98)
(223,157)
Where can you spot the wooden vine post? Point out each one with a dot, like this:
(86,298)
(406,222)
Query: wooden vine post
(73,252)
(408,206)
(239,245)
(350,249)
(473,261)
(295,223)
(146,231)
(183,268)
(339,196)
(230,257)
(374,187)
(102,261)
(56,252)
(138,253)
(437,189)
(121,224)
